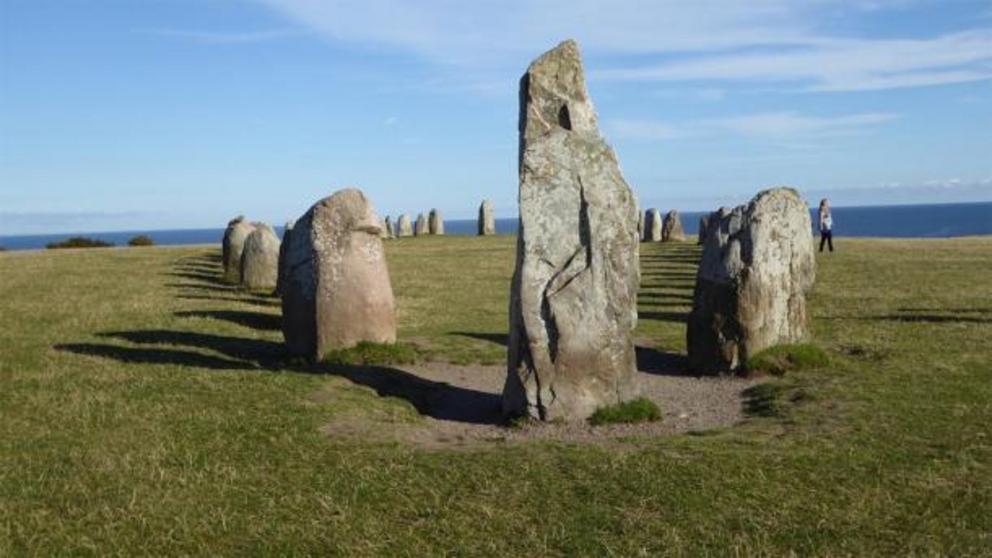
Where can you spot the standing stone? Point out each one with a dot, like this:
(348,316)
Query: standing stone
(652,225)
(337,290)
(281,279)
(573,300)
(704,222)
(756,270)
(388,224)
(234,243)
(435,223)
(487,222)
(420,228)
(260,259)
(640,224)
(672,230)
(403,226)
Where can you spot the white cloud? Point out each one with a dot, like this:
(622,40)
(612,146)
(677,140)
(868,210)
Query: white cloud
(223,37)
(762,126)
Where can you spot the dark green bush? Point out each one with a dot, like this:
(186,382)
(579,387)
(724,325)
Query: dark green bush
(141,240)
(635,410)
(78,242)
(786,358)
(373,354)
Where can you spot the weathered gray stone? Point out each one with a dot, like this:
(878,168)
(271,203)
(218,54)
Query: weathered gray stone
(640,224)
(435,223)
(487,222)
(233,245)
(420,227)
(403,226)
(756,271)
(704,222)
(652,225)
(574,292)
(260,259)
(337,290)
(388,224)
(286,233)
(671,229)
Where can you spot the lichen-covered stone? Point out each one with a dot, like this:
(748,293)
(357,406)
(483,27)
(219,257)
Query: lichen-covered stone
(260,259)
(420,228)
(286,234)
(574,291)
(435,223)
(337,290)
(652,226)
(671,229)
(756,271)
(487,221)
(403,226)
(233,245)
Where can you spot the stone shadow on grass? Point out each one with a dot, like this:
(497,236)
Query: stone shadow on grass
(261,352)
(497,338)
(142,355)
(254,320)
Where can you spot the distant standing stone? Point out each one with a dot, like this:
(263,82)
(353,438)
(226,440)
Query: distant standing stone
(756,271)
(286,233)
(420,228)
(573,301)
(704,222)
(403,226)
(435,222)
(652,225)
(672,230)
(640,224)
(260,259)
(234,243)
(487,222)
(337,290)
(388,224)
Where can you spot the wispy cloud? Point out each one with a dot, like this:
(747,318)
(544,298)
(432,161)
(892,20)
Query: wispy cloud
(223,37)
(763,126)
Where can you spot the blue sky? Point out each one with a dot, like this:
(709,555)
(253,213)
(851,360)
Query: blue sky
(126,114)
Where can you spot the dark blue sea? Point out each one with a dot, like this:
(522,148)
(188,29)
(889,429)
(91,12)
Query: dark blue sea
(900,221)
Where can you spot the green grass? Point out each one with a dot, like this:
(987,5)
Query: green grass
(787,358)
(372,354)
(635,410)
(146,408)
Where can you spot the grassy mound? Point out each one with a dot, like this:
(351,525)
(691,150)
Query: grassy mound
(787,358)
(635,410)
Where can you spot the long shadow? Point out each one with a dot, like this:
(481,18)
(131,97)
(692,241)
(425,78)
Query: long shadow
(497,338)
(665,296)
(131,355)
(661,363)
(930,318)
(210,278)
(254,320)
(268,354)
(201,287)
(675,317)
(257,301)
(956,310)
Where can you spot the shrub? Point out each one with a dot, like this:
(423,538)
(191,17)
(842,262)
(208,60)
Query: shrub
(141,240)
(3,248)
(78,242)
(786,358)
(372,354)
(635,410)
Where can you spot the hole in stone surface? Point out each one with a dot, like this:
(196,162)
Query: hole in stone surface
(564,119)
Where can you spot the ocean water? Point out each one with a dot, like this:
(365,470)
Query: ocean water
(898,221)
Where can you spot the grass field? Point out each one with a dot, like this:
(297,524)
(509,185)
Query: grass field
(147,409)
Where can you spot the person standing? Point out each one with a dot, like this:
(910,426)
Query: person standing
(826,225)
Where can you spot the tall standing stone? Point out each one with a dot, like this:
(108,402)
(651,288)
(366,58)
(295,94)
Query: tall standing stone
(233,245)
(652,225)
(672,229)
(487,222)
(388,224)
(756,271)
(337,290)
(286,234)
(704,223)
(435,223)
(260,259)
(574,292)
(403,226)
(640,224)
(420,228)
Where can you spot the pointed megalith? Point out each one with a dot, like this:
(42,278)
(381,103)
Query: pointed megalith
(337,290)
(755,273)
(260,259)
(573,300)
(672,230)
(403,226)
(435,223)
(387,223)
(420,227)
(652,225)
(487,223)
(235,235)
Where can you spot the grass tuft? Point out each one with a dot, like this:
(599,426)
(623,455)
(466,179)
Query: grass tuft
(787,358)
(635,410)
(373,354)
